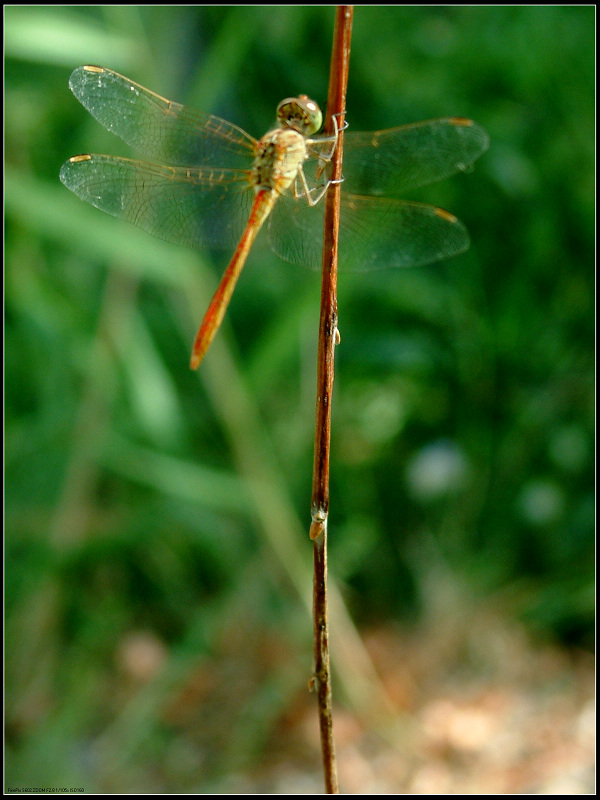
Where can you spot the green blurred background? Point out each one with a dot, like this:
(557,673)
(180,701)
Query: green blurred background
(158,566)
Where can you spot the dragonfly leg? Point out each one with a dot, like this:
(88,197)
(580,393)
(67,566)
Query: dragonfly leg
(314,195)
(325,158)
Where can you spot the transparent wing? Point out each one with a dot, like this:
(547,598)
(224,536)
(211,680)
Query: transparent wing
(375,233)
(159,128)
(391,161)
(193,207)
(381,233)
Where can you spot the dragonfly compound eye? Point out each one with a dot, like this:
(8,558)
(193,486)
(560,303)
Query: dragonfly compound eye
(300,113)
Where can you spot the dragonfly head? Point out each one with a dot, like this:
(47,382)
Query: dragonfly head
(300,113)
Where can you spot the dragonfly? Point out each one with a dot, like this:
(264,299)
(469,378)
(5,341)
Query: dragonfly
(211,184)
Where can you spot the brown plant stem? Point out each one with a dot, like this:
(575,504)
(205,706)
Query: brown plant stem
(328,337)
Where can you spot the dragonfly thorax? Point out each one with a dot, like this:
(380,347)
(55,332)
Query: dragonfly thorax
(279,155)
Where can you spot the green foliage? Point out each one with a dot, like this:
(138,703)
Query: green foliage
(142,497)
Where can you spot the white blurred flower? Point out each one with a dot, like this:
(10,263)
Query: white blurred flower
(438,469)
(541,502)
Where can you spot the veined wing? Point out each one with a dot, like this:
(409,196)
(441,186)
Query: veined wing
(159,128)
(193,207)
(375,233)
(391,161)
